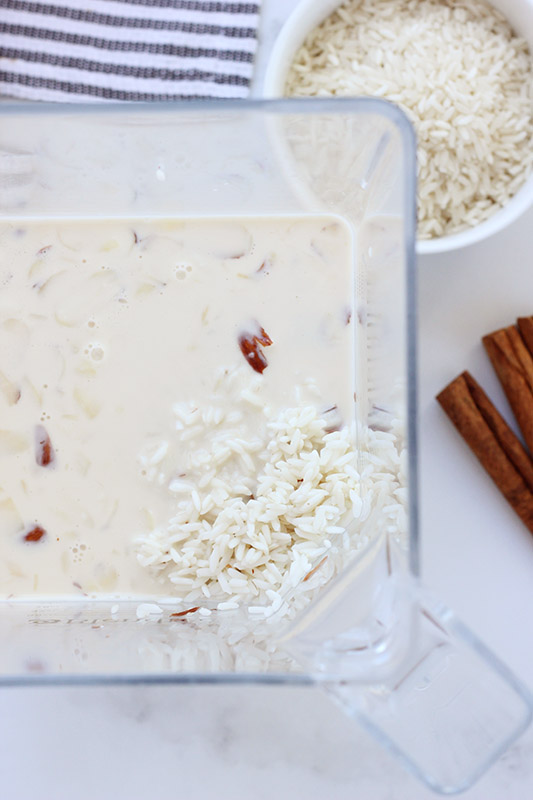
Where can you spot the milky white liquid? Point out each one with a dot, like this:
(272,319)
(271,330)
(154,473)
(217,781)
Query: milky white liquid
(104,325)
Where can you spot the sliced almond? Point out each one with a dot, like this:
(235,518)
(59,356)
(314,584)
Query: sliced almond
(14,570)
(81,464)
(12,443)
(10,391)
(144,290)
(147,519)
(98,290)
(15,339)
(111,244)
(53,283)
(86,369)
(10,519)
(30,392)
(87,404)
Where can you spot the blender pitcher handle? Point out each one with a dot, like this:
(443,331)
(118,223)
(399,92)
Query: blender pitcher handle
(412,674)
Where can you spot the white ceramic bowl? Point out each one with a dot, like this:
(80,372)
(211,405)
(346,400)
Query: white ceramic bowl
(310,13)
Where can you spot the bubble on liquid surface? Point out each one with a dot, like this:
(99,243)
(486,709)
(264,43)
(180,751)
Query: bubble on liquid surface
(78,552)
(95,351)
(182,270)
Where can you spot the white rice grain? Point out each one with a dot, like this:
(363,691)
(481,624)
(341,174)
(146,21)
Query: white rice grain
(463,78)
(247,531)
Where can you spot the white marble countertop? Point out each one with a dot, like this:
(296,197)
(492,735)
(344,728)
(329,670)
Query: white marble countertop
(133,743)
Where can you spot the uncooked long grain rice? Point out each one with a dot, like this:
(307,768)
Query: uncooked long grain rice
(462,76)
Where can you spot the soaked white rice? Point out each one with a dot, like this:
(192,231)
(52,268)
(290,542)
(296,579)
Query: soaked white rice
(263,496)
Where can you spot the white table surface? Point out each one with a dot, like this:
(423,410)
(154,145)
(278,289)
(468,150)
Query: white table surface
(200,743)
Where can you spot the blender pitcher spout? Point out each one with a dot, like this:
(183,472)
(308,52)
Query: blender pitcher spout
(401,664)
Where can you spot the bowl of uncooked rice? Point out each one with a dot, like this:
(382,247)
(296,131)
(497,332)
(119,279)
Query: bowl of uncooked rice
(463,74)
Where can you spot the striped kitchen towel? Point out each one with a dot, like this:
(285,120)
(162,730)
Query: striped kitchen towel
(95,50)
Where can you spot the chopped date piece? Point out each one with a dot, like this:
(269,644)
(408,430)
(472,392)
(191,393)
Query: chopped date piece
(249,344)
(333,418)
(34,665)
(183,613)
(312,572)
(265,267)
(35,534)
(44,452)
(263,337)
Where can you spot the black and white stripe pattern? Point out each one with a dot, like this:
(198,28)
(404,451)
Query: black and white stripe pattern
(97,50)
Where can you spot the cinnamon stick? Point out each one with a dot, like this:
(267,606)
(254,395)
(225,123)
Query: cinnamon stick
(525,326)
(492,441)
(513,364)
